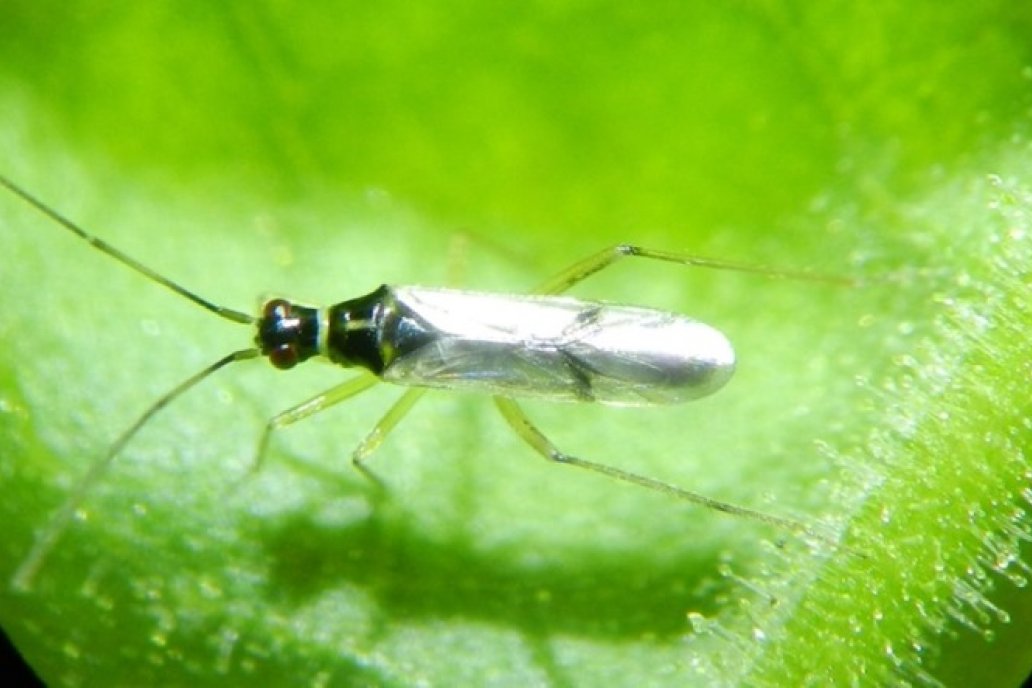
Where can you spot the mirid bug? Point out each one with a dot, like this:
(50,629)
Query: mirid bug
(542,346)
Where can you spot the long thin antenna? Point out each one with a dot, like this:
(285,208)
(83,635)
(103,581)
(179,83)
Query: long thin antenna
(129,261)
(58,524)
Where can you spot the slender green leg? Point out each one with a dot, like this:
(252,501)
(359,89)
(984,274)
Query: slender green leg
(597,262)
(530,434)
(336,395)
(387,423)
(320,402)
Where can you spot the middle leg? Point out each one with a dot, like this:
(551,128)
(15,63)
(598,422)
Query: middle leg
(320,402)
(376,436)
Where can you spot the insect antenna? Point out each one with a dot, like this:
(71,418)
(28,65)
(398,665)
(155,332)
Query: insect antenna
(104,247)
(26,572)
(58,524)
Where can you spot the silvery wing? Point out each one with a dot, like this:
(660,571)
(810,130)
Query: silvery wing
(556,348)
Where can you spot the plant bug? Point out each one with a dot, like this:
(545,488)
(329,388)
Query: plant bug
(543,345)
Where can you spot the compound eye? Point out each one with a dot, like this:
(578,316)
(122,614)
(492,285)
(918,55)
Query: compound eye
(284,356)
(277,309)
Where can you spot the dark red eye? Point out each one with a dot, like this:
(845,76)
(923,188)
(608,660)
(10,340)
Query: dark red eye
(284,356)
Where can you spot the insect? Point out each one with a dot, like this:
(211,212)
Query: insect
(543,345)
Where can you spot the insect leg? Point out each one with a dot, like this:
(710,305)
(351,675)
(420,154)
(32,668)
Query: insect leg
(379,432)
(529,432)
(319,402)
(597,262)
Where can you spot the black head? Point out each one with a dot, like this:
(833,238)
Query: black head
(287,333)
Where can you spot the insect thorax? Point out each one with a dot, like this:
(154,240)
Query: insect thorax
(373,330)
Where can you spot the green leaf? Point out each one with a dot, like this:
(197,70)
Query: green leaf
(319,151)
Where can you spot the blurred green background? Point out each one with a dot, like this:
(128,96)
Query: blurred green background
(319,150)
